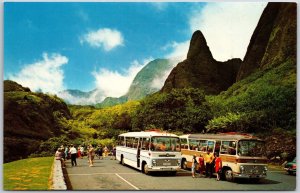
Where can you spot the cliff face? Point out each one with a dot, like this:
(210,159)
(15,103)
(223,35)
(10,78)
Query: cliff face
(274,39)
(201,70)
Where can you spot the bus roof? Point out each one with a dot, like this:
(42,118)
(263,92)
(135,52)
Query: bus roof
(147,134)
(220,136)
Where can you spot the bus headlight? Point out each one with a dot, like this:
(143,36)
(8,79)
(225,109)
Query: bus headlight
(178,162)
(154,162)
(242,168)
(265,169)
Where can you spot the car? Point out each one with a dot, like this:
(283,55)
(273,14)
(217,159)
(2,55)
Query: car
(291,167)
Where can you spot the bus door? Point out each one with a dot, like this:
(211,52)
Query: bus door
(138,155)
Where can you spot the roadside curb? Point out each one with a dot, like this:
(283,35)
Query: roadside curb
(58,180)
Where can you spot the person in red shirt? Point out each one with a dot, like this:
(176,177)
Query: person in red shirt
(218,166)
(201,165)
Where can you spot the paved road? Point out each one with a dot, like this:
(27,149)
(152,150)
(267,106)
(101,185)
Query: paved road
(110,175)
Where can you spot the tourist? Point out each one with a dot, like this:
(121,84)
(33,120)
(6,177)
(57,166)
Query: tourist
(105,151)
(73,153)
(66,152)
(113,153)
(81,151)
(218,166)
(100,152)
(201,165)
(209,157)
(59,155)
(194,165)
(91,154)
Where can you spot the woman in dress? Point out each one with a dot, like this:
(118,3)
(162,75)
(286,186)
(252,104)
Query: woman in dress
(218,166)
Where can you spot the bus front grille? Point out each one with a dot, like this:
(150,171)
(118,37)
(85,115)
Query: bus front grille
(253,169)
(166,162)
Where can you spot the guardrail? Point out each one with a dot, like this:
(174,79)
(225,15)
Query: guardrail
(58,180)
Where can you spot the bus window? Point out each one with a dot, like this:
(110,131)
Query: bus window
(129,142)
(211,145)
(135,141)
(145,143)
(202,145)
(193,144)
(217,148)
(164,143)
(184,144)
(228,147)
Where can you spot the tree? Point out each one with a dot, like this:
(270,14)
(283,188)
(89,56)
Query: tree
(180,110)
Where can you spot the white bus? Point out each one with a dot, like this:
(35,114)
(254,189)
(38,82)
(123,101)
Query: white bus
(242,155)
(149,151)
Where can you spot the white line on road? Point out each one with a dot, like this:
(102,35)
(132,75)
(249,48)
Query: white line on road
(97,174)
(127,182)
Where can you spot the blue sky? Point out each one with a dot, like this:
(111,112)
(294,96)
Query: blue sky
(57,46)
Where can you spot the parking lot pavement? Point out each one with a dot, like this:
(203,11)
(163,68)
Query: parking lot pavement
(110,175)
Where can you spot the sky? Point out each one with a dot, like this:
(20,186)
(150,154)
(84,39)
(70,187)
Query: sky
(51,47)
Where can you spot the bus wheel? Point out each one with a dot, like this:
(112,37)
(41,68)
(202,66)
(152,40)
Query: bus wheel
(184,164)
(146,169)
(228,175)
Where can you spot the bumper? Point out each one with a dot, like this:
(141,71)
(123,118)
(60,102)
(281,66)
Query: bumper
(290,170)
(167,169)
(250,176)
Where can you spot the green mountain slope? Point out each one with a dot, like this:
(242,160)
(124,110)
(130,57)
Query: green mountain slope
(149,80)
(263,101)
(29,118)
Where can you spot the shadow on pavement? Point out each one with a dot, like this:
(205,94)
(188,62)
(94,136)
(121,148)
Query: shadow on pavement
(67,180)
(256,182)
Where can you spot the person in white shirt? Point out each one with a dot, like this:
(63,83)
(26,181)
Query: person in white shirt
(73,153)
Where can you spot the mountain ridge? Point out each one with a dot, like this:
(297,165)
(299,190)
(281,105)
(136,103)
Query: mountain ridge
(201,70)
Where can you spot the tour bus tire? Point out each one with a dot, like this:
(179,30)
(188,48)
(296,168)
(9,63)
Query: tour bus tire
(290,172)
(184,164)
(145,169)
(228,175)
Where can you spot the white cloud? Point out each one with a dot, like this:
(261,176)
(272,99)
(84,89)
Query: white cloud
(45,75)
(105,38)
(114,83)
(227,27)
(95,97)
(159,80)
(179,50)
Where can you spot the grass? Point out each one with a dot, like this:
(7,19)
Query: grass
(27,174)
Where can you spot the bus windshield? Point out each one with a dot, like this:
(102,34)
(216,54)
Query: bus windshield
(252,148)
(165,144)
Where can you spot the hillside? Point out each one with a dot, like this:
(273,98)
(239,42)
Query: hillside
(29,118)
(263,101)
(144,82)
(273,41)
